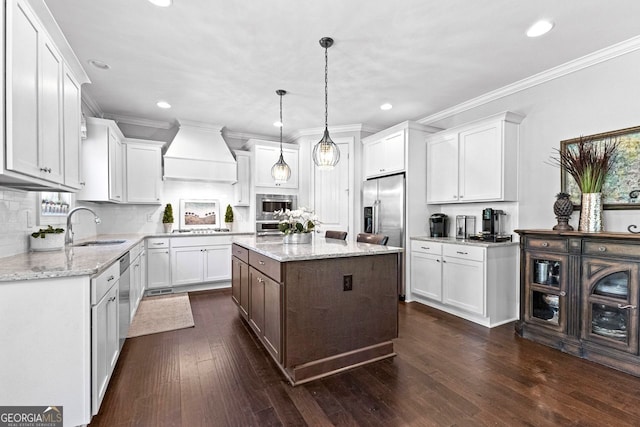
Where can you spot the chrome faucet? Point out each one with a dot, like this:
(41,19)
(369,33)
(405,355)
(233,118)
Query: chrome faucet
(68,237)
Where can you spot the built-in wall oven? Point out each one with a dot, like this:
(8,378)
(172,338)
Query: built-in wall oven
(266,205)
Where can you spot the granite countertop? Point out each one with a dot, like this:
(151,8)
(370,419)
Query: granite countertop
(79,260)
(319,248)
(453,240)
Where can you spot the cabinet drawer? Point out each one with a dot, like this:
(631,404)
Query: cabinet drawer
(183,242)
(265,264)
(610,249)
(474,253)
(101,284)
(157,243)
(136,250)
(555,245)
(240,252)
(426,247)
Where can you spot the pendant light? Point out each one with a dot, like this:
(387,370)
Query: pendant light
(281,170)
(326,153)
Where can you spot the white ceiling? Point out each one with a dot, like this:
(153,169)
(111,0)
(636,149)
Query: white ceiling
(221,61)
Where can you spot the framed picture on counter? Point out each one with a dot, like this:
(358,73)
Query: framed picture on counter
(199,214)
(621,188)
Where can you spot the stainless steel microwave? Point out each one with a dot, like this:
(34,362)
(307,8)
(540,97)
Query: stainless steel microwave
(267,204)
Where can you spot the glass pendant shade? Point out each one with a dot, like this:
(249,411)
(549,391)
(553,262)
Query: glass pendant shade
(280,171)
(326,153)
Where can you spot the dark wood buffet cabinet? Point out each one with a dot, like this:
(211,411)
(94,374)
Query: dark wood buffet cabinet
(579,294)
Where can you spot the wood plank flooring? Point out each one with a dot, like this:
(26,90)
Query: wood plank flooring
(448,372)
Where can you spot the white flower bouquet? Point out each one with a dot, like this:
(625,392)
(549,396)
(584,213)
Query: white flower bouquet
(299,220)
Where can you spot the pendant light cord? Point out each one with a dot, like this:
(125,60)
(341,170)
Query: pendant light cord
(281,125)
(326,87)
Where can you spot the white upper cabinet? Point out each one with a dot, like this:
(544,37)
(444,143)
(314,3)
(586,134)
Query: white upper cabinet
(384,156)
(265,155)
(475,162)
(72,117)
(39,116)
(102,162)
(241,188)
(143,178)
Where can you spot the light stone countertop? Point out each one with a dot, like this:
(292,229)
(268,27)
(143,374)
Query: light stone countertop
(79,260)
(467,242)
(319,248)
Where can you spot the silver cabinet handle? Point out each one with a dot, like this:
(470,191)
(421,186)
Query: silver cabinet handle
(158,244)
(110,278)
(627,307)
(444,261)
(545,244)
(454,196)
(112,299)
(563,293)
(424,247)
(462,253)
(437,260)
(461,196)
(260,280)
(261,262)
(602,249)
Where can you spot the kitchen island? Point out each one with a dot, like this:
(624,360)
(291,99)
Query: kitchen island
(318,308)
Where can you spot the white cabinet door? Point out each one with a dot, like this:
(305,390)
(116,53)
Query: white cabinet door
(384,156)
(72,115)
(187,265)
(331,194)
(104,343)
(426,275)
(265,157)
(217,263)
(158,268)
(481,160)
(241,189)
(463,283)
(442,169)
(50,113)
(22,90)
(135,286)
(115,167)
(143,173)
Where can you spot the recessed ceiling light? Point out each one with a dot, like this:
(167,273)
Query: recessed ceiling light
(539,28)
(163,104)
(99,64)
(161,3)
(386,106)
(277,124)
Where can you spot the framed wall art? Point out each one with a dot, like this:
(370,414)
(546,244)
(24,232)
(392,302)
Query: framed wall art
(199,214)
(621,189)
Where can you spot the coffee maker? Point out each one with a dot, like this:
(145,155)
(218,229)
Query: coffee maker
(492,226)
(438,225)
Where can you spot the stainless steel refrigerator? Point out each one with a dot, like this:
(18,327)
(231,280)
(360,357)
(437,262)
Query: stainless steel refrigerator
(383,201)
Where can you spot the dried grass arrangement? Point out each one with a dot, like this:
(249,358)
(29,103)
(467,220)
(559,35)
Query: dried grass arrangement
(588,163)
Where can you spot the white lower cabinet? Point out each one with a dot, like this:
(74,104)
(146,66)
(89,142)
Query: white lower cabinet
(200,259)
(158,263)
(475,282)
(104,332)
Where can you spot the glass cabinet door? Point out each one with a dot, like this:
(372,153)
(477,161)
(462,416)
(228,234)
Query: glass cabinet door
(546,276)
(610,303)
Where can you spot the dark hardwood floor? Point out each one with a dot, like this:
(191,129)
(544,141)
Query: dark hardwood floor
(448,372)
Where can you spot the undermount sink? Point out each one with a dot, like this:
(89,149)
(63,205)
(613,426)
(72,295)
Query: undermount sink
(100,243)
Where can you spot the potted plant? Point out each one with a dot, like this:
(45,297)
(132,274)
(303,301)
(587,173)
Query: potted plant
(47,239)
(297,225)
(167,218)
(228,217)
(588,163)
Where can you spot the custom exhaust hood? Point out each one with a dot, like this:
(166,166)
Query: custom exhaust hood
(198,152)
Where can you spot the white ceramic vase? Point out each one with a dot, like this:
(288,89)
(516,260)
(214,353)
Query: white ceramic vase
(52,242)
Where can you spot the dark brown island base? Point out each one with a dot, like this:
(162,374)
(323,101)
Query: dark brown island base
(579,292)
(318,308)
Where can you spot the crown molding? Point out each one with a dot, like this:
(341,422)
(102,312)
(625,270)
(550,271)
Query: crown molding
(357,127)
(597,57)
(244,136)
(91,104)
(138,121)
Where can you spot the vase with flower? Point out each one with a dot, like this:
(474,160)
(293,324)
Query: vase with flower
(297,225)
(588,162)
